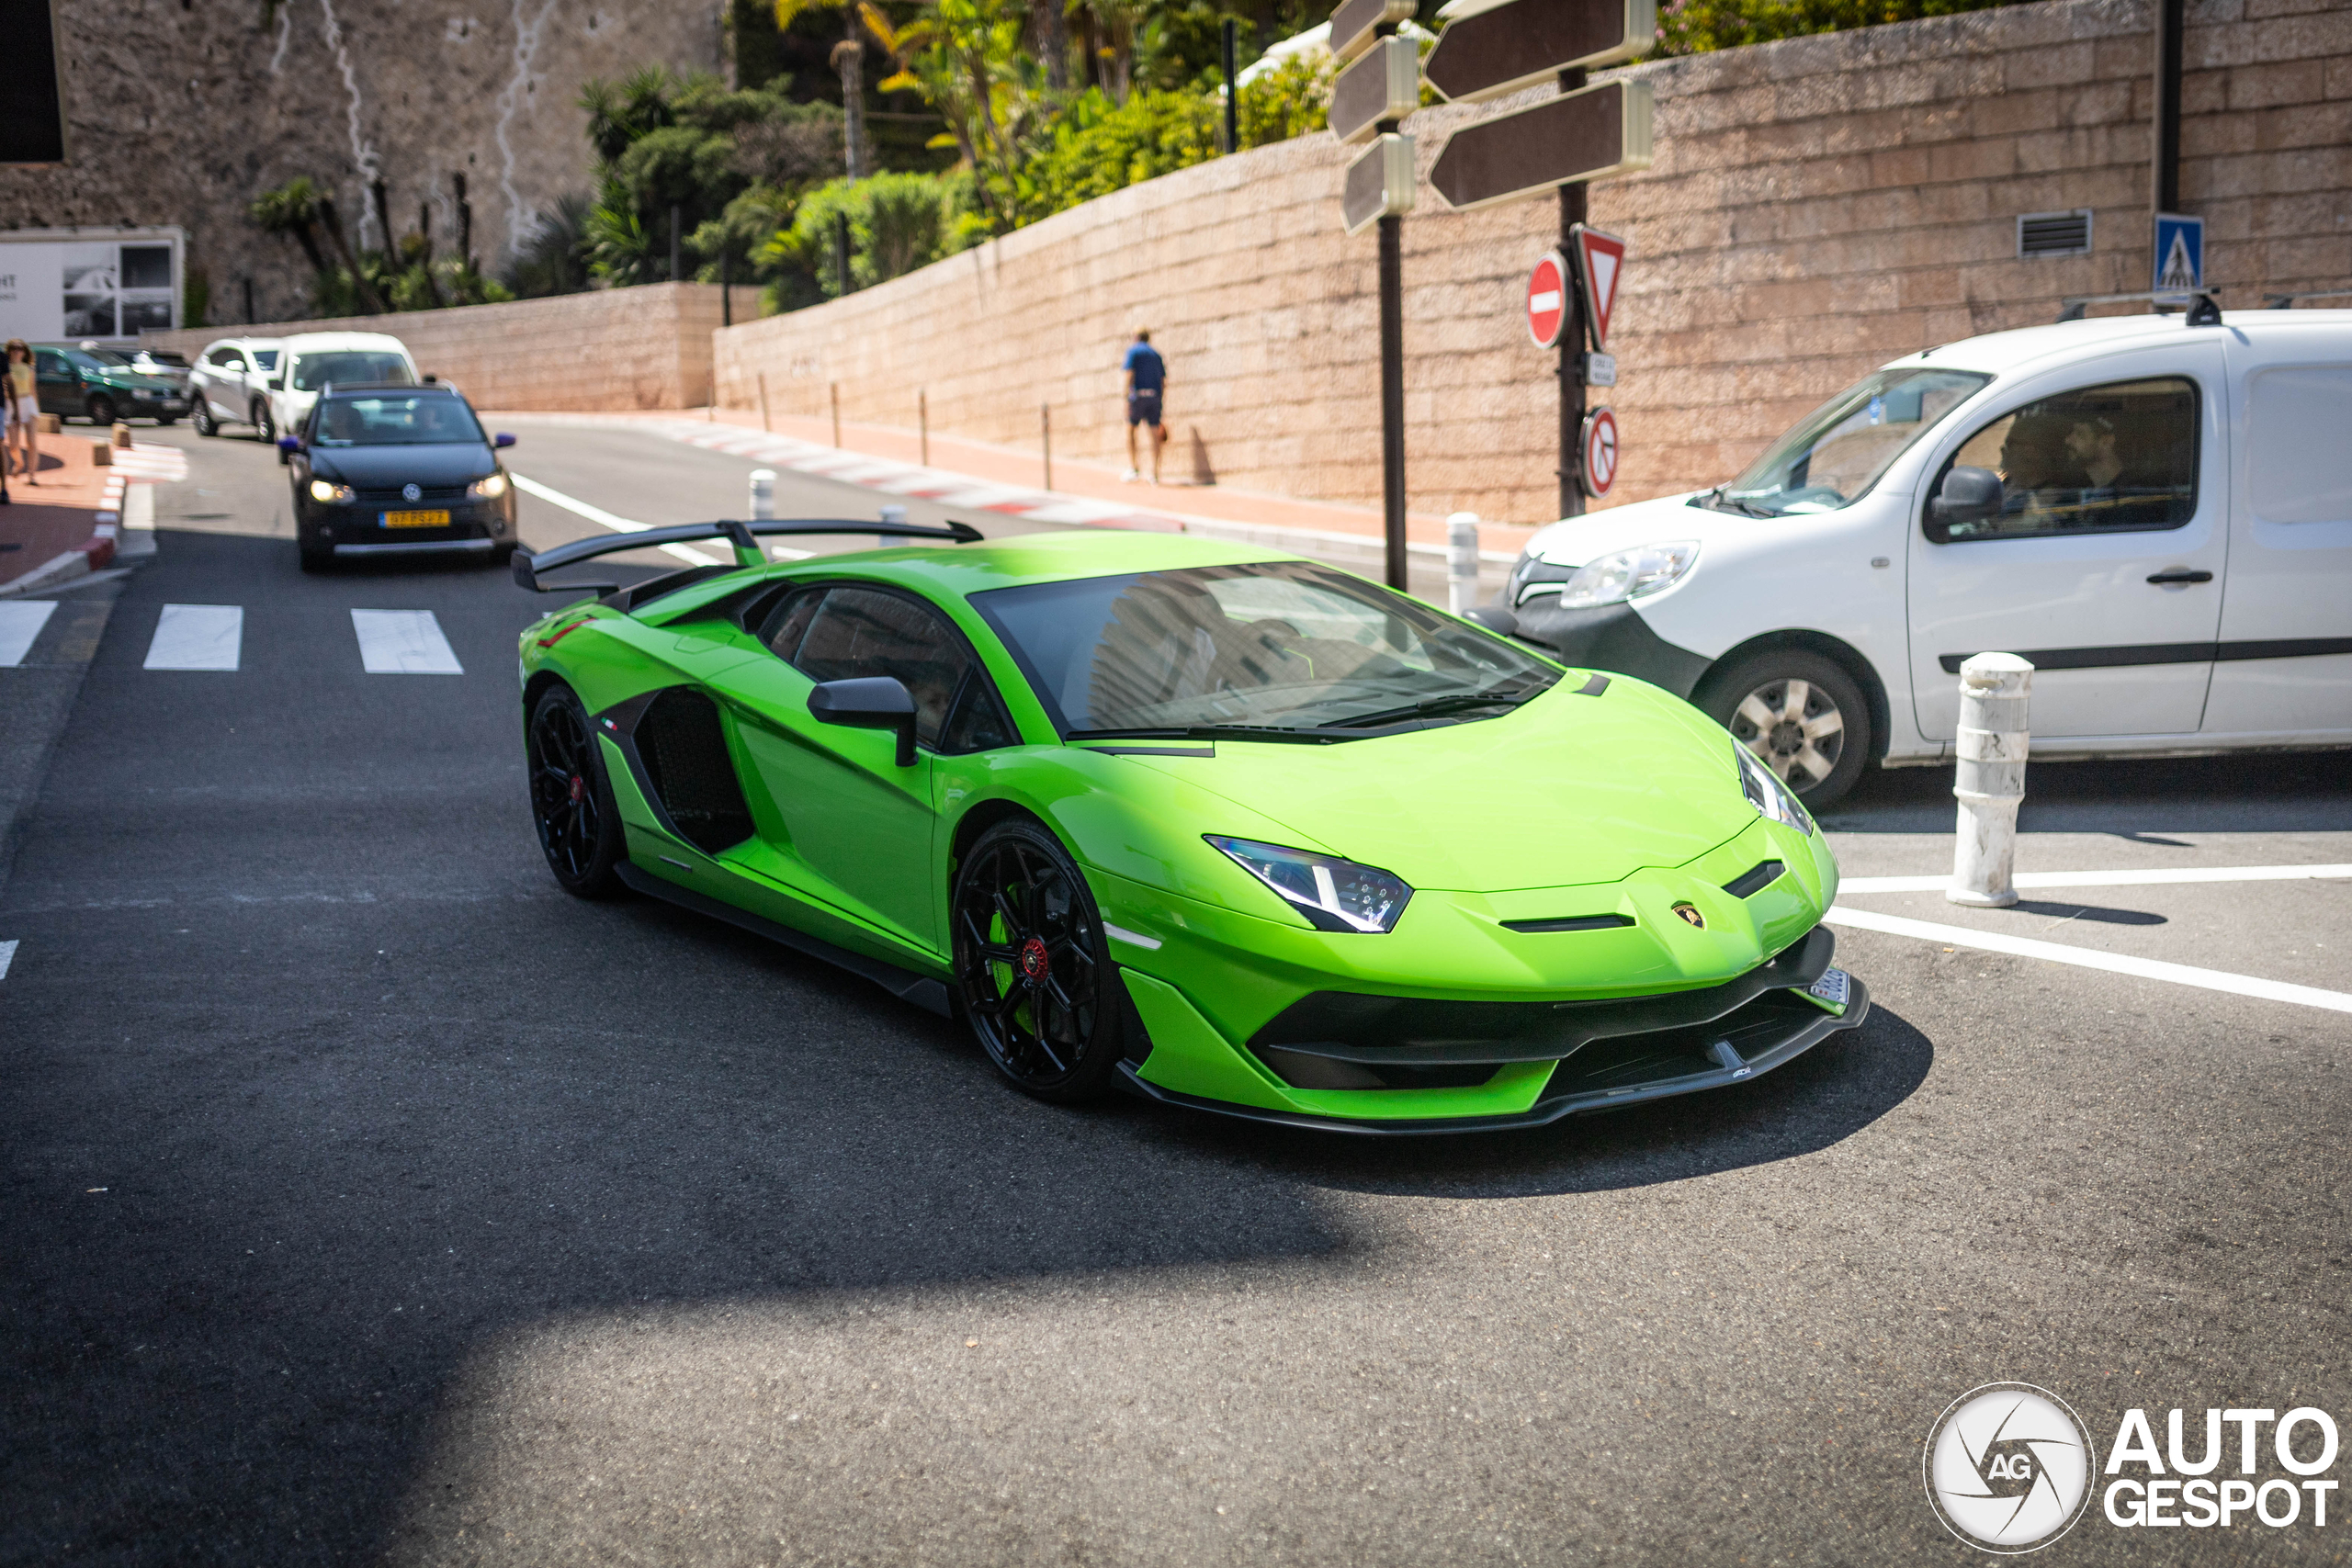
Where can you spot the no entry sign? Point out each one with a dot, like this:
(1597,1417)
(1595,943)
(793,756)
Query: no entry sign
(1599,453)
(1548,299)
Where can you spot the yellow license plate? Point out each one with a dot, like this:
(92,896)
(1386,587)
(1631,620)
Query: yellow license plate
(416,519)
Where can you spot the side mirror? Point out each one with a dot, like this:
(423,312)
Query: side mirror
(869,702)
(432,380)
(278,385)
(234,364)
(289,445)
(1493,617)
(1969,495)
(502,439)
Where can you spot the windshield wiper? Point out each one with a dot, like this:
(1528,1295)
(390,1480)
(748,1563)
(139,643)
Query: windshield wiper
(1510,694)
(1719,500)
(1206,732)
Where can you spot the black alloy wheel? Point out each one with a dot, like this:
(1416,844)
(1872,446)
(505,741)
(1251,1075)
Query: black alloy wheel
(199,414)
(101,408)
(1031,972)
(571,801)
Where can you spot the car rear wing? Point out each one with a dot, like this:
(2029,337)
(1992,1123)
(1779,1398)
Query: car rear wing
(744,536)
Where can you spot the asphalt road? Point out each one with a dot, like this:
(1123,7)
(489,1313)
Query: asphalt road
(370,1199)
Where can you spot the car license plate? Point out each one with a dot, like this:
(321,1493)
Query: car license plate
(1831,988)
(416,519)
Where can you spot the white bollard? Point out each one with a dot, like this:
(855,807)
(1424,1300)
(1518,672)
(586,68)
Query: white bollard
(897,514)
(1460,561)
(763,495)
(1990,782)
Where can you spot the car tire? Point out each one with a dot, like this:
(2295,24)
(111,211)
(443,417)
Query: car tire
(1033,970)
(263,431)
(1802,713)
(572,798)
(101,408)
(200,416)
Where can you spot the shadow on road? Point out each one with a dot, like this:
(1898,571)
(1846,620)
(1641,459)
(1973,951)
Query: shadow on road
(2139,801)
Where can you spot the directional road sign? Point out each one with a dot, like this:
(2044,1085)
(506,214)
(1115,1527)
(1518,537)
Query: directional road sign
(1355,24)
(1383,84)
(1548,299)
(1589,134)
(2180,255)
(1600,262)
(1379,183)
(1599,453)
(1488,51)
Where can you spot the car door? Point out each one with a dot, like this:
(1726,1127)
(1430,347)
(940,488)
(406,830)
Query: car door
(220,382)
(2103,562)
(853,828)
(2283,670)
(57,387)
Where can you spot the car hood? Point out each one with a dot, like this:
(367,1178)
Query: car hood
(376,467)
(1573,541)
(1563,790)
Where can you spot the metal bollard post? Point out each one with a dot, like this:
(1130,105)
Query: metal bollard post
(1460,561)
(897,514)
(763,495)
(1990,782)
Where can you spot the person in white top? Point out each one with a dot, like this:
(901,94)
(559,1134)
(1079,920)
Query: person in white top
(22,411)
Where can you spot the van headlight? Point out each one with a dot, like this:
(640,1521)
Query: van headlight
(332,495)
(490,488)
(1774,801)
(1628,574)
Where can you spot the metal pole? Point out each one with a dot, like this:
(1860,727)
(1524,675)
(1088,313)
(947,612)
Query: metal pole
(1572,331)
(1232,92)
(922,424)
(2165,186)
(1392,394)
(674,243)
(841,252)
(834,390)
(764,423)
(725,290)
(1460,561)
(1045,430)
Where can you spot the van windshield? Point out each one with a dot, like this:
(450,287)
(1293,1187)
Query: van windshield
(1835,453)
(350,368)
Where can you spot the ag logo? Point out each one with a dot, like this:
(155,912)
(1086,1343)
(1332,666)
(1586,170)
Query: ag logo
(2008,1468)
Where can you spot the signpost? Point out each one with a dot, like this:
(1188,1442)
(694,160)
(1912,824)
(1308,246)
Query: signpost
(1597,449)
(1600,262)
(1588,134)
(2180,257)
(1385,82)
(1493,47)
(1547,299)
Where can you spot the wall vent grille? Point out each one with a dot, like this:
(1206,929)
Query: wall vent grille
(2054,233)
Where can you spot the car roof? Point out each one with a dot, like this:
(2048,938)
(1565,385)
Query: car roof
(2000,353)
(314,342)
(354,389)
(1025,558)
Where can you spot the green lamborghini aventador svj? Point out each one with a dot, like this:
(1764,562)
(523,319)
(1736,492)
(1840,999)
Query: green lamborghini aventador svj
(1224,828)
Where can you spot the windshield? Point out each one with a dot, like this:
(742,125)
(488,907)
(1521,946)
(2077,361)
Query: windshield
(106,357)
(351,367)
(432,419)
(1282,649)
(1837,452)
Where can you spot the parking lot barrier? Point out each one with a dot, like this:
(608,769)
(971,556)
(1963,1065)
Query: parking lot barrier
(1989,783)
(896,517)
(763,495)
(1460,561)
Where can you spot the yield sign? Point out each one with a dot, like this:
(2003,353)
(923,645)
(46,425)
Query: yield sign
(1547,299)
(1600,262)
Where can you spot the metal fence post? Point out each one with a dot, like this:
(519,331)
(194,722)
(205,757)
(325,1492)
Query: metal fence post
(1045,433)
(763,494)
(834,390)
(764,424)
(1460,561)
(1990,781)
(922,422)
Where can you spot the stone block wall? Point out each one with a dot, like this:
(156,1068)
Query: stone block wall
(1817,206)
(611,350)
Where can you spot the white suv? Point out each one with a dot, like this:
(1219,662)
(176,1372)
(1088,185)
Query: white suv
(2158,515)
(228,385)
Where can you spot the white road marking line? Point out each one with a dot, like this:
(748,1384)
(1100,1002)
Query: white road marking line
(605,519)
(404,642)
(7,956)
(2107,878)
(2114,962)
(20,623)
(198,637)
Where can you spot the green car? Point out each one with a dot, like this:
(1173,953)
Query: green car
(1228,829)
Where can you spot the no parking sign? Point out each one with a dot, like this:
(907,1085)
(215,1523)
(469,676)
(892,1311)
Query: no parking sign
(1596,468)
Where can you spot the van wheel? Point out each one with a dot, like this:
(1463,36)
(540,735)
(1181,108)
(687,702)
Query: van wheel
(263,431)
(1802,714)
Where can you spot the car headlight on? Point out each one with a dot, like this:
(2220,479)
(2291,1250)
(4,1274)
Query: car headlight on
(332,494)
(1628,574)
(1774,801)
(490,488)
(1335,895)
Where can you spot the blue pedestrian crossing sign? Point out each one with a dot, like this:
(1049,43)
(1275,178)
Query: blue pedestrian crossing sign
(2180,255)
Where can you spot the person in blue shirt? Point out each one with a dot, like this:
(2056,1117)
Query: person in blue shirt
(1146,381)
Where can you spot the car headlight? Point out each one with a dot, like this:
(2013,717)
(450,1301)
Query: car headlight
(1774,801)
(332,494)
(1336,895)
(490,488)
(1627,574)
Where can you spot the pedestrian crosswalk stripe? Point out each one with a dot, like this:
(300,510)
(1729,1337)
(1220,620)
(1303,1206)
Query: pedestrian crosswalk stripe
(198,637)
(20,623)
(7,956)
(404,642)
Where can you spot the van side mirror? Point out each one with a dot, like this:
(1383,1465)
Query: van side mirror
(1968,495)
(502,439)
(232,365)
(869,702)
(278,384)
(289,445)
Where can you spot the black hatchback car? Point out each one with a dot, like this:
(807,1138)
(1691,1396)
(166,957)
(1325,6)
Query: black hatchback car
(398,470)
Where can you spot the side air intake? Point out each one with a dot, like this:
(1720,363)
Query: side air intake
(684,753)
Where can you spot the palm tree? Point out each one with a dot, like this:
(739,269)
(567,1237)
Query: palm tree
(296,208)
(849,59)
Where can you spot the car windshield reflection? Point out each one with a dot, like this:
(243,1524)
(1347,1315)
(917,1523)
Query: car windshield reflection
(425,419)
(1835,454)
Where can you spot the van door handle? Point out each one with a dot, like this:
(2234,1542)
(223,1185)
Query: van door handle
(2182,574)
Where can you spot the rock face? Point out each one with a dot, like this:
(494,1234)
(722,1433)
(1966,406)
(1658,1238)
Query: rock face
(183,111)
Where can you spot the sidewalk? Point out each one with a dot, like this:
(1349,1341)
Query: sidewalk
(63,527)
(1012,481)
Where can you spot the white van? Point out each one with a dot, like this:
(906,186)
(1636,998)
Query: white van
(2157,515)
(315,361)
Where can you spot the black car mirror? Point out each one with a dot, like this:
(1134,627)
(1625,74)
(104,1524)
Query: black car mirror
(1969,495)
(869,702)
(278,385)
(502,439)
(1493,617)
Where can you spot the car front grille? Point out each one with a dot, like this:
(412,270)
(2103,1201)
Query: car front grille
(442,494)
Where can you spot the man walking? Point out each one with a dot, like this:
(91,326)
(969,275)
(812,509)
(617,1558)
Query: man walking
(1147,380)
